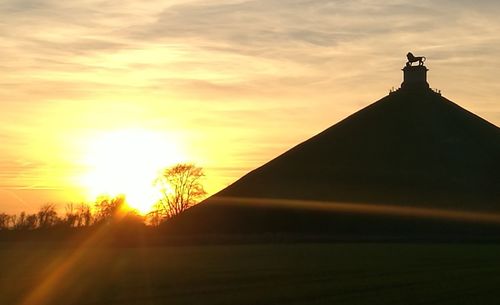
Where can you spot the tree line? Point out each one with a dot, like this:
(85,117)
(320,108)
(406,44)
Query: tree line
(180,186)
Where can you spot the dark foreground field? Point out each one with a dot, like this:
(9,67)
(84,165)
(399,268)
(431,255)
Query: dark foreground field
(38,274)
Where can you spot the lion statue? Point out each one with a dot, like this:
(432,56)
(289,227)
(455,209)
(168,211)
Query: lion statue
(412,59)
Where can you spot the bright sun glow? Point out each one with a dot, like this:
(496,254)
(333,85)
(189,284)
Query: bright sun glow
(126,162)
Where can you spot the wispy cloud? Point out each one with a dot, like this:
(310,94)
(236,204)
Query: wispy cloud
(253,77)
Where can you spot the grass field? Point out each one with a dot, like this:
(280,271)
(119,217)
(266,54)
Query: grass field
(38,274)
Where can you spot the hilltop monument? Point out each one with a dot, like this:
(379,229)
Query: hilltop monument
(415,77)
(412,148)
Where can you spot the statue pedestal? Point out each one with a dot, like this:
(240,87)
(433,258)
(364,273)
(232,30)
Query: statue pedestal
(415,77)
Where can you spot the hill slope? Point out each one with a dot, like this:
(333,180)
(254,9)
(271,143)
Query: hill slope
(411,148)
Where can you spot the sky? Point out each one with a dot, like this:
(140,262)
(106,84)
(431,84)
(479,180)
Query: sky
(98,91)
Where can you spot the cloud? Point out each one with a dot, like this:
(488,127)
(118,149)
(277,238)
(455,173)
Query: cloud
(253,77)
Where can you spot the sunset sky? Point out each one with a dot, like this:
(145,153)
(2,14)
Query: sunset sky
(94,91)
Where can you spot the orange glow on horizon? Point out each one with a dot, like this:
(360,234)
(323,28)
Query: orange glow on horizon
(240,93)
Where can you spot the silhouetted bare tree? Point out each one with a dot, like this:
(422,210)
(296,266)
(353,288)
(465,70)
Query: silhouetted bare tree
(181,188)
(155,217)
(4,221)
(25,221)
(71,216)
(47,216)
(107,207)
(84,215)
(78,216)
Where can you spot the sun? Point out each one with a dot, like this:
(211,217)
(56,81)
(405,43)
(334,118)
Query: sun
(126,162)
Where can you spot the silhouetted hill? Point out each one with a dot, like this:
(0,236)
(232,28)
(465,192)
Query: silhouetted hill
(411,148)
(406,148)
